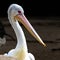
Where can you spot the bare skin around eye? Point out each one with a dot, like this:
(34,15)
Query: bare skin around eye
(2,57)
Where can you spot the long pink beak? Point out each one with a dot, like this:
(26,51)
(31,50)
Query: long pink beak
(28,26)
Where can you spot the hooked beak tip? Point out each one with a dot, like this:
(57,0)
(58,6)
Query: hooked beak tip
(45,45)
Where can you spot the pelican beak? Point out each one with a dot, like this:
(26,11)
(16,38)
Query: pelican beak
(22,19)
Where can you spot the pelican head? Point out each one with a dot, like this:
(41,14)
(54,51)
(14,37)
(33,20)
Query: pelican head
(14,10)
(16,13)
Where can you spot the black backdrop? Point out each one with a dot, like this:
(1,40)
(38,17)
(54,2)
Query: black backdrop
(32,7)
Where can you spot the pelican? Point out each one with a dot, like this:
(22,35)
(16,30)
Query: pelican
(16,15)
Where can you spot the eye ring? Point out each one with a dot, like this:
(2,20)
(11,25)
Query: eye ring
(19,12)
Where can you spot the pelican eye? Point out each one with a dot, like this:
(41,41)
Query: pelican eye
(19,12)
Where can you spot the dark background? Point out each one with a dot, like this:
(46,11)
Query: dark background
(48,29)
(34,8)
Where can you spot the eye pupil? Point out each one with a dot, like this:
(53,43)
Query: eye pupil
(19,11)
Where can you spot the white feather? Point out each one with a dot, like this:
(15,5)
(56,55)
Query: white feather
(21,46)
